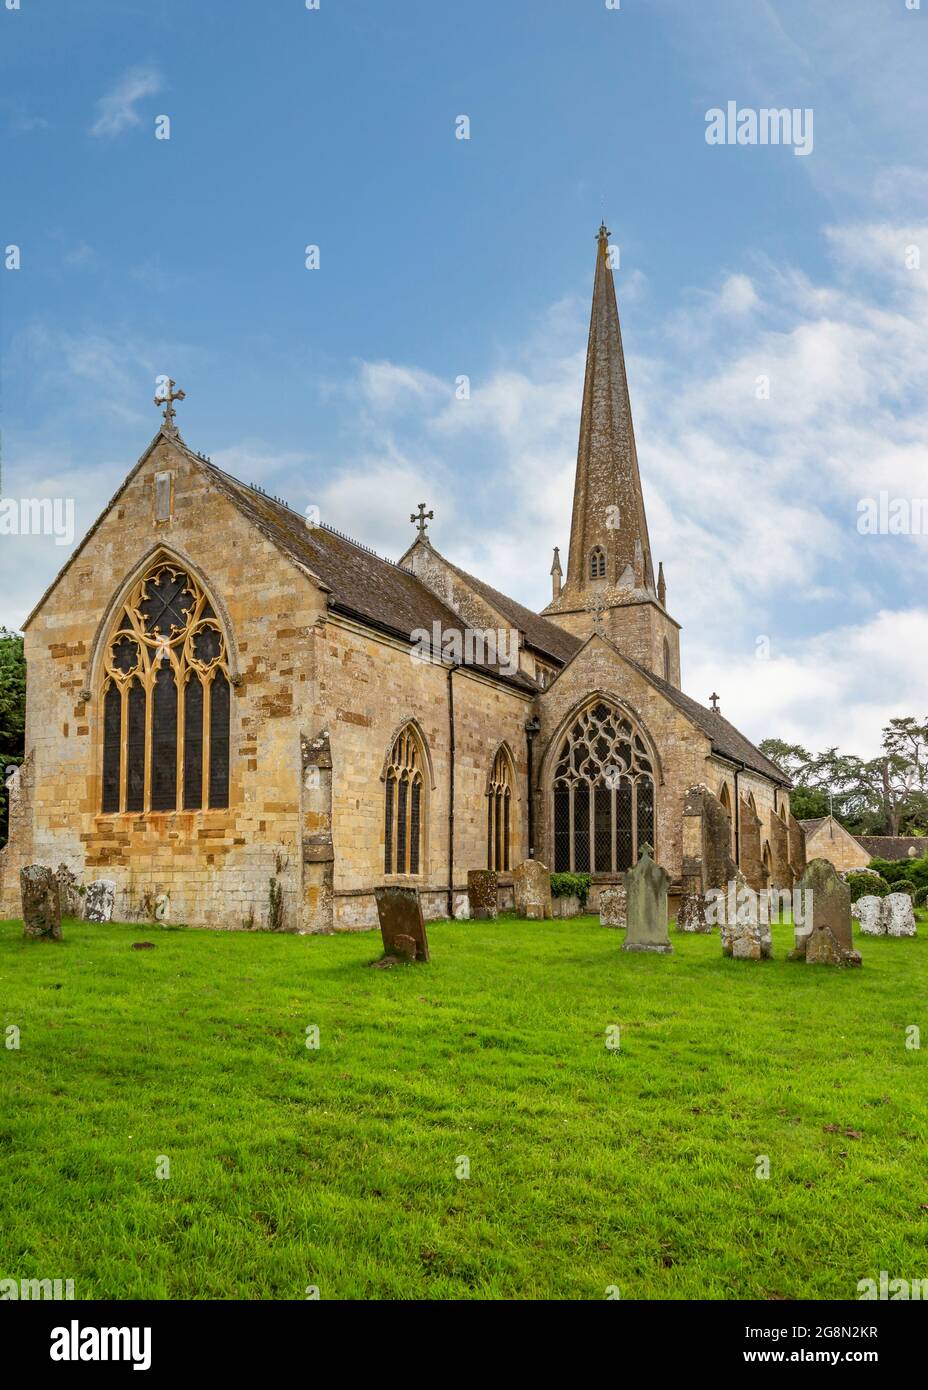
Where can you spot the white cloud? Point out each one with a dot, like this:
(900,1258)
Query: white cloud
(116,111)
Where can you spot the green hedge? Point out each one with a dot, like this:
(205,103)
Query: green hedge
(571,886)
(915,870)
(921,897)
(903,885)
(862,885)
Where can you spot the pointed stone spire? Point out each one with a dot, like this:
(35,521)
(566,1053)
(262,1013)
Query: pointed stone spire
(661,586)
(608,513)
(557,574)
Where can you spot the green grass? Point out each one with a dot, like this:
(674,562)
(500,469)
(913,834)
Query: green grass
(336,1167)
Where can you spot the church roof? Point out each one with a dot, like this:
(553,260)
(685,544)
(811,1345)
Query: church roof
(360,583)
(541,635)
(727,741)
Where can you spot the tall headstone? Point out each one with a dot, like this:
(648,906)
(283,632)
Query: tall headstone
(99,900)
(613,907)
(825,938)
(41,903)
(402,925)
(72,904)
(483,894)
(531,883)
(646,888)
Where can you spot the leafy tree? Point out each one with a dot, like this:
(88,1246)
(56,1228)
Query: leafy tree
(12,714)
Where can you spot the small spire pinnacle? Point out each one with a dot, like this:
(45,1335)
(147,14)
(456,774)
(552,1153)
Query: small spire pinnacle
(167,399)
(556,574)
(661,586)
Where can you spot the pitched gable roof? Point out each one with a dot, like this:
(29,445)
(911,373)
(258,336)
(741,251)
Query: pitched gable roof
(726,741)
(360,584)
(541,635)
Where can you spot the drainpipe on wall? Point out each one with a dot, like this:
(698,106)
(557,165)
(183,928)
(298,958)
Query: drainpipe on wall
(737,822)
(451,793)
(531,729)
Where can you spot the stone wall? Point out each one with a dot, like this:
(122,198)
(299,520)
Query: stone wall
(214,867)
(832,842)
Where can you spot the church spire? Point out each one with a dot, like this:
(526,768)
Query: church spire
(609,545)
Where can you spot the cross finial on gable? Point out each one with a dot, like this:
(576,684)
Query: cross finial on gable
(421,519)
(167,399)
(715,702)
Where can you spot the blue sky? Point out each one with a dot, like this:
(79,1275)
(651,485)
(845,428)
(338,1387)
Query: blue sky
(441,257)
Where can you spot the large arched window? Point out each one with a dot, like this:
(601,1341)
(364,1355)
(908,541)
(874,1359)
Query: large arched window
(603,811)
(166,699)
(597,562)
(499,813)
(404,801)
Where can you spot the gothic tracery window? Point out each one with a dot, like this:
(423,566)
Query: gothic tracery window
(403,805)
(604,810)
(597,562)
(166,699)
(499,813)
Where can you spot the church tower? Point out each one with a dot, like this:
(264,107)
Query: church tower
(610,585)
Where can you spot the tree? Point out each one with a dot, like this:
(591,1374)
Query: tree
(12,714)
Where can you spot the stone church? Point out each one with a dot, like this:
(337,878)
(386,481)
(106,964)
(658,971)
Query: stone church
(230,714)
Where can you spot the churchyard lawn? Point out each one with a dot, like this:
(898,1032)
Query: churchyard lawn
(341,1167)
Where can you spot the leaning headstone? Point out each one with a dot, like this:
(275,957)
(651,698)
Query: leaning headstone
(402,925)
(483,894)
(99,900)
(613,907)
(898,916)
(824,938)
(868,911)
(646,886)
(531,884)
(68,895)
(41,904)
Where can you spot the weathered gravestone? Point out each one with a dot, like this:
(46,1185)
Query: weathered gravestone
(613,907)
(99,900)
(72,904)
(402,926)
(745,925)
(483,894)
(646,889)
(531,883)
(868,911)
(41,904)
(898,915)
(825,938)
(691,914)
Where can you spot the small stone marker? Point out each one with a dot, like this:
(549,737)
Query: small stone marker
(613,907)
(99,900)
(402,925)
(531,883)
(868,911)
(898,915)
(745,935)
(483,894)
(646,888)
(825,936)
(41,904)
(143,945)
